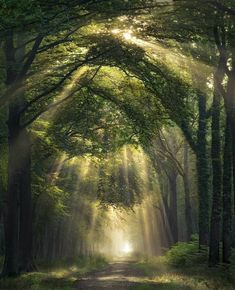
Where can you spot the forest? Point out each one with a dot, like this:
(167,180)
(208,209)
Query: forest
(117,144)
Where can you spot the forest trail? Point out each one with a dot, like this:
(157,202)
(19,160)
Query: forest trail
(117,276)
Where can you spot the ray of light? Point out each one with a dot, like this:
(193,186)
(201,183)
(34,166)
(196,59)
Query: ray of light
(56,168)
(67,91)
(144,229)
(195,70)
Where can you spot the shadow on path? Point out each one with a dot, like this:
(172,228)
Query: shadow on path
(123,276)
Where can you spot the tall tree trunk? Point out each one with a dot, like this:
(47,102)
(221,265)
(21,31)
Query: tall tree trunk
(202,172)
(173,206)
(10,267)
(233,168)
(229,100)
(214,250)
(12,209)
(26,263)
(227,195)
(188,208)
(18,254)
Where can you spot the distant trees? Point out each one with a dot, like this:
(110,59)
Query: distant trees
(111,92)
(45,29)
(169,155)
(211,41)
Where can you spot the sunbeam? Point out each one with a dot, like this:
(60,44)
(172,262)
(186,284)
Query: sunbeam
(117,144)
(173,58)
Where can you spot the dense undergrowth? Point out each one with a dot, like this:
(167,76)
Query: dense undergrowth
(60,275)
(184,267)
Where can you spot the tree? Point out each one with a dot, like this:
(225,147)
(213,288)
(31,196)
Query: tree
(227,195)
(43,24)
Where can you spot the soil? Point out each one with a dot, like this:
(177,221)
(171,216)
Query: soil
(117,276)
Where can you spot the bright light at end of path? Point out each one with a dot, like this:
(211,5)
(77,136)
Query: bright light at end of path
(127,248)
(128,35)
(125,34)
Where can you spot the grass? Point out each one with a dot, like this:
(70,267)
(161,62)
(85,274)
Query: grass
(60,278)
(179,280)
(184,268)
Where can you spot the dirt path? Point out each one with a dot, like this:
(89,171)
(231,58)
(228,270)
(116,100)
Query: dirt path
(117,276)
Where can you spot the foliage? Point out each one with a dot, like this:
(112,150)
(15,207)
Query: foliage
(97,77)
(186,255)
(120,183)
(192,276)
(62,275)
(88,125)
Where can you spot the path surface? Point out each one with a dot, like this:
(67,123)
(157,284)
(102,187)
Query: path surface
(117,276)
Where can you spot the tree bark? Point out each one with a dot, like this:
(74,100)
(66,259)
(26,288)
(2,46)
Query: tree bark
(229,100)
(227,195)
(202,172)
(228,93)
(12,209)
(18,225)
(173,206)
(26,263)
(233,166)
(10,267)
(188,208)
(214,249)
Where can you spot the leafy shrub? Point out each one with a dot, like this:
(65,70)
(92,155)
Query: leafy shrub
(186,254)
